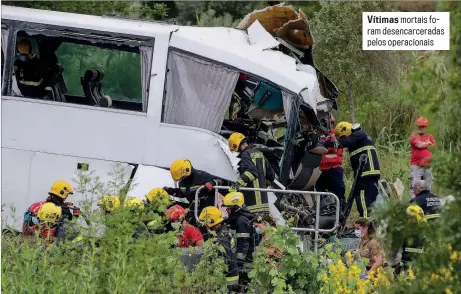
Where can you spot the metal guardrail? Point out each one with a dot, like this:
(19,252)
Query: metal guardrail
(316,230)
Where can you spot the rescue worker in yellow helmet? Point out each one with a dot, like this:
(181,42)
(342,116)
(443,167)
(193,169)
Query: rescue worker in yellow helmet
(48,216)
(52,229)
(254,172)
(58,194)
(190,179)
(134,204)
(158,200)
(213,219)
(240,220)
(358,142)
(109,203)
(414,241)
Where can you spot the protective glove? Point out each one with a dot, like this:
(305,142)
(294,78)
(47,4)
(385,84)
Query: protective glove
(76,211)
(234,187)
(209,186)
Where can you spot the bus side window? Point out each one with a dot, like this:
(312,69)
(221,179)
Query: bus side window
(93,72)
(81,71)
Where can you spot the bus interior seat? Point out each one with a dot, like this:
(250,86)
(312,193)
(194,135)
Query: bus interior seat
(54,71)
(92,87)
(58,84)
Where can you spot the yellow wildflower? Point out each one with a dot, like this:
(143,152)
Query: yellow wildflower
(411,274)
(448,291)
(435,276)
(349,257)
(454,256)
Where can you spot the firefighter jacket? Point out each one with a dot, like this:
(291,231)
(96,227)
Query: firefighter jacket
(240,222)
(188,186)
(359,143)
(30,76)
(226,239)
(254,170)
(430,204)
(334,157)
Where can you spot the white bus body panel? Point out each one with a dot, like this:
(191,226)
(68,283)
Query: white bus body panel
(147,178)
(27,177)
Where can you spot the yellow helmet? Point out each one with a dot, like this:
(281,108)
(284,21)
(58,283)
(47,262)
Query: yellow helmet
(158,196)
(234,199)
(134,203)
(343,129)
(109,202)
(61,189)
(416,212)
(180,168)
(235,140)
(49,213)
(211,216)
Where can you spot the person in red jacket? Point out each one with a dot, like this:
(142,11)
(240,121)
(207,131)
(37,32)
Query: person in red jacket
(331,179)
(190,235)
(420,161)
(31,222)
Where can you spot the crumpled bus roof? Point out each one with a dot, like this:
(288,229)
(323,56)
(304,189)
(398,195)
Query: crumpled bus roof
(225,45)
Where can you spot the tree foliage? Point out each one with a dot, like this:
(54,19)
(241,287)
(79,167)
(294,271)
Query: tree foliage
(137,9)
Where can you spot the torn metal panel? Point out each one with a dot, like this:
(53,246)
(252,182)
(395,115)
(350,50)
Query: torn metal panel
(260,37)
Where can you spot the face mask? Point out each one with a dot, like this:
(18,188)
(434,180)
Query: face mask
(23,57)
(35,220)
(258,231)
(358,233)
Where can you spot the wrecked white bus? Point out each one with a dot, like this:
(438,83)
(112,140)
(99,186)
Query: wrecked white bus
(179,93)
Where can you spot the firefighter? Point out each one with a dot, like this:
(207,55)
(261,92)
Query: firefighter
(254,170)
(420,143)
(157,201)
(29,71)
(429,202)
(189,236)
(109,203)
(240,220)
(190,179)
(58,194)
(30,224)
(52,229)
(413,243)
(332,177)
(213,219)
(134,204)
(358,142)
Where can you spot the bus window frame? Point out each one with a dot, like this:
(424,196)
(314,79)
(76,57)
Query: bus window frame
(79,34)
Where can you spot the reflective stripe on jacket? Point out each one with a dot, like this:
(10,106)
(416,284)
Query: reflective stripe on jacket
(254,170)
(359,143)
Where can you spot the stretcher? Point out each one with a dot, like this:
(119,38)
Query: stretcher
(316,230)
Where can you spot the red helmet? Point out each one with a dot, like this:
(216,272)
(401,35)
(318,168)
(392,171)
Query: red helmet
(175,213)
(422,122)
(33,209)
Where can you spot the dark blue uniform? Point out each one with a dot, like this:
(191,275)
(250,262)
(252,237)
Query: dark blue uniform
(359,143)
